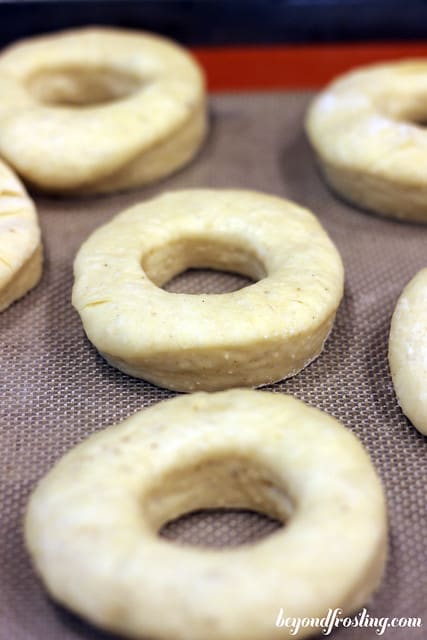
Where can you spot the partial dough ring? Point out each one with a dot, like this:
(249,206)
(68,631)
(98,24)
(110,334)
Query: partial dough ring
(365,132)
(254,336)
(20,243)
(92,523)
(408,350)
(97,110)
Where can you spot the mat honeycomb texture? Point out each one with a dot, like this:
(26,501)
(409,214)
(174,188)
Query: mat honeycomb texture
(56,389)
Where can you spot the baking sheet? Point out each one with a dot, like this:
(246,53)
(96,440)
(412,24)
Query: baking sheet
(56,389)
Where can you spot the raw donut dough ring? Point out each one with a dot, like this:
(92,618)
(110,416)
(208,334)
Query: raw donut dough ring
(20,244)
(364,130)
(92,522)
(98,110)
(408,350)
(257,335)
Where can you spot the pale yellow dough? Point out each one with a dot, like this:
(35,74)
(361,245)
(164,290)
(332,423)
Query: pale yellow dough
(254,336)
(92,523)
(20,241)
(98,109)
(367,128)
(408,350)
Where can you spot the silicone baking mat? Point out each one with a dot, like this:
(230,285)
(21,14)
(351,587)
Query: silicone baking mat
(56,390)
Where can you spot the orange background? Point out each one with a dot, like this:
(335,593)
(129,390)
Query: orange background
(293,66)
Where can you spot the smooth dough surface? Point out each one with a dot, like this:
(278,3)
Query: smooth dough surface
(367,128)
(92,523)
(408,350)
(254,336)
(98,109)
(20,241)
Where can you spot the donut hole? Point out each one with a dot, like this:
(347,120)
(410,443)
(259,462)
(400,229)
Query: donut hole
(217,502)
(420,120)
(220,528)
(200,265)
(76,86)
(413,114)
(199,281)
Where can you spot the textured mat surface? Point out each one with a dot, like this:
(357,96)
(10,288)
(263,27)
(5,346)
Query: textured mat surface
(56,390)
